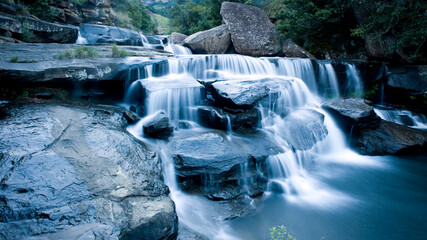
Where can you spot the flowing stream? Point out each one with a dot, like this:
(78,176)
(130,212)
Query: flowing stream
(322,190)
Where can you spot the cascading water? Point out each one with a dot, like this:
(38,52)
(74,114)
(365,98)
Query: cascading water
(291,115)
(177,49)
(403,117)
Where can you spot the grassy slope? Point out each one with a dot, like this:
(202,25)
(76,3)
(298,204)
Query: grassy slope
(163,22)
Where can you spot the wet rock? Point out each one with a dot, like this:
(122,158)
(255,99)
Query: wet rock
(218,166)
(7,9)
(78,174)
(244,94)
(10,24)
(352,112)
(409,78)
(212,118)
(251,31)
(212,41)
(177,38)
(47,67)
(130,117)
(389,138)
(157,126)
(293,50)
(45,32)
(245,119)
(100,34)
(303,129)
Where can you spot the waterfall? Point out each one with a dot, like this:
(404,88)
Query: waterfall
(81,40)
(177,49)
(403,117)
(354,82)
(291,116)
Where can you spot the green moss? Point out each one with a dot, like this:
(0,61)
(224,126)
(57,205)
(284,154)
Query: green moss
(16,60)
(117,53)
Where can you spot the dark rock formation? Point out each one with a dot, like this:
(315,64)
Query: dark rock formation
(100,34)
(217,118)
(251,31)
(291,49)
(212,159)
(130,117)
(352,112)
(412,79)
(389,138)
(177,38)
(212,41)
(157,126)
(77,174)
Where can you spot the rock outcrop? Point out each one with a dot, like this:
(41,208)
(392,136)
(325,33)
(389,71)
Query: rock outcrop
(251,31)
(213,159)
(352,112)
(34,30)
(412,79)
(293,50)
(238,120)
(369,134)
(77,174)
(212,41)
(100,34)
(177,38)
(389,138)
(157,126)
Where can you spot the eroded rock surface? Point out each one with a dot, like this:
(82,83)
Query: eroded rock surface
(73,172)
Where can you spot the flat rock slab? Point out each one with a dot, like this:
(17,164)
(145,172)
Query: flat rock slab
(162,83)
(245,94)
(68,169)
(352,112)
(389,138)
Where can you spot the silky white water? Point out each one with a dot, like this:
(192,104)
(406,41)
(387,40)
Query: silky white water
(291,103)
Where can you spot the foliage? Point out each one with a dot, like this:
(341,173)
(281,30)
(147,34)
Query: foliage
(27,34)
(188,17)
(163,22)
(41,8)
(280,233)
(80,52)
(404,19)
(14,59)
(79,2)
(117,53)
(137,12)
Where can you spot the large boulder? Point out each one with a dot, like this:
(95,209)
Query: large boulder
(252,32)
(76,173)
(412,79)
(352,112)
(389,138)
(246,93)
(293,50)
(212,41)
(177,38)
(157,126)
(100,34)
(213,159)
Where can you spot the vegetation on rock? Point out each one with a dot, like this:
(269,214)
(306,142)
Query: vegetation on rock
(117,53)
(80,52)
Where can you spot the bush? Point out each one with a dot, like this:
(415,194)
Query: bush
(27,34)
(280,233)
(80,52)
(117,53)
(14,59)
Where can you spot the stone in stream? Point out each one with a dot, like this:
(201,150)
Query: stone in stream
(352,112)
(389,138)
(157,126)
(177,38)
(246,93)
(217,165)
(217,118)
(252,32)
(77,174)
(212,41)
